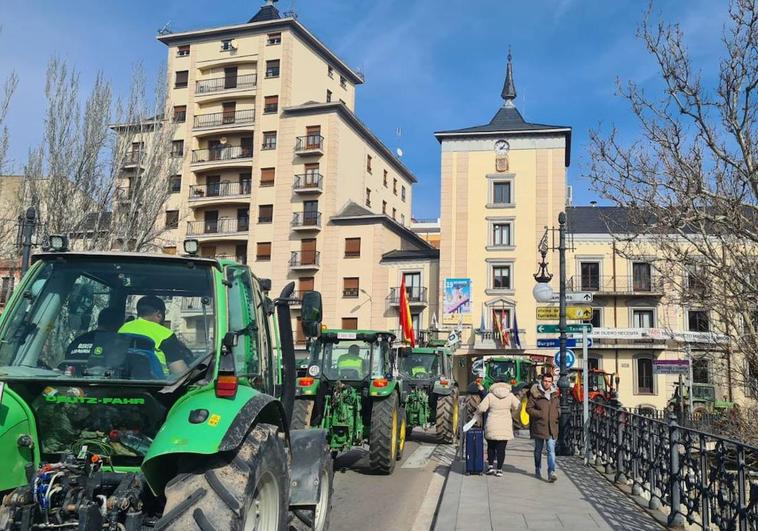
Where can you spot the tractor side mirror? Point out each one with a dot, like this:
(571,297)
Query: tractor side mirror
(312,313)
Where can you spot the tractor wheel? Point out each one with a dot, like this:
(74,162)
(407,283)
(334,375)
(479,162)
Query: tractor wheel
(521,421)
(447,418)
(385,426)
(402,434)
(302,414)
(247,488)
(317,518)
(472,402)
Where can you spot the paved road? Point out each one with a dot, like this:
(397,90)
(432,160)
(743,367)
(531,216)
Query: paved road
(363,500)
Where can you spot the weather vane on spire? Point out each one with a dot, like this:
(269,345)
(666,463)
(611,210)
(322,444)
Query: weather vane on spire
(509,88)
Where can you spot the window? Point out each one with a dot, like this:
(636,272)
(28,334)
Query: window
(590,275)
(172,219)
(413,287)
(227,45)
(267,176)
(269,140)
(501,193)
(501,277)
(696,281)
(245,180)
(330,71)
(265,213)
(644,380)
(243,219)
(501,234)
(328,96)
(272,68)
(402,194)
(182,78)
(700,371)
(343,82)
(273,39)
(643,319)
(305,284)
(394,213)
(352,247)
(368,197)
(384,207)
(394,186)
(174,184)
(180,114)
(270,104)
(385,179)
(597,318)
(698,321)
(177,148)
(263,251)
(350,286)
(368,163)
(183,51)
(641,277)
(350,323)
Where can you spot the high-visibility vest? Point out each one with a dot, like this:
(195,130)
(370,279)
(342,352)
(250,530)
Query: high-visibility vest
(418,370)
(157,332)
(349,361)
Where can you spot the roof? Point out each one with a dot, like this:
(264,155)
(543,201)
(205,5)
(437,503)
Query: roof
(412,254)
(265,13)
(313,107)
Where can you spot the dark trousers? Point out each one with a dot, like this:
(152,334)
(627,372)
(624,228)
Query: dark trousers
(496,449)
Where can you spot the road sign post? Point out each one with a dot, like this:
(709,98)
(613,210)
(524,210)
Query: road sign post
(585,397)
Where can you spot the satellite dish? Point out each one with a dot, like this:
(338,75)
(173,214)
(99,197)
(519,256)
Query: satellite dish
(223,140)
(399,152)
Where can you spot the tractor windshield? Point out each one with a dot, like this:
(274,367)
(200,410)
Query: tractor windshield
(502,370)
(351,360)
(420,365)
(596,381)
(109,318)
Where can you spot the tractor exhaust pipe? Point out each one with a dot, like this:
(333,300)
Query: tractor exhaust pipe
(288,349)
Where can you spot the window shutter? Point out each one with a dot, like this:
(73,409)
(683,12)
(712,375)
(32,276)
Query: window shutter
(352,247)
(263,251)
(267,176)
(351,282)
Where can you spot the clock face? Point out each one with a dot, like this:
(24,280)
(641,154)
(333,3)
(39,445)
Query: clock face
(501,147)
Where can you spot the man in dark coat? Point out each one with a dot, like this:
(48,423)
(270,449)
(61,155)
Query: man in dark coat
(543,408)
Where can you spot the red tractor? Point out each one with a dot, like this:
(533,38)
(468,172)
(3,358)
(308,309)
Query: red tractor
(603,387)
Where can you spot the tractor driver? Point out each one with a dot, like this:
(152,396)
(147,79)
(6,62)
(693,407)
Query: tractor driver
(352,361)
(93,343)
(418,367)
(151,312)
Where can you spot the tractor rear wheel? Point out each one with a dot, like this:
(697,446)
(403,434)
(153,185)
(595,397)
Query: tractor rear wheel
(317,518)
(402,434)
(302,413)
(472,403)
(385,426)
(247,488)
(447,417)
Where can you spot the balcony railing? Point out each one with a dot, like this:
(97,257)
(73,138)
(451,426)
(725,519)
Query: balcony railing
(610,285)
(227,189)
(219,84)
(308,182)
(133,156)
(219,226)
(297,297)
(306,219)
(309,143)
(195,305)
(350,292)
(305,258)
(218,119)
(221,154)
(416,295)
(238,259)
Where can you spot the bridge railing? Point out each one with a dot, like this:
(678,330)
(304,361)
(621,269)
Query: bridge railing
(704,480)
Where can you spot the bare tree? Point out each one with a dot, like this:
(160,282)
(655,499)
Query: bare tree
(5,99)
(12,204)
(689,184)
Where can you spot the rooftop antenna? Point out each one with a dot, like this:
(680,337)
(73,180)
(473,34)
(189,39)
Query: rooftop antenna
(165,30)
(399,133)
(292,13)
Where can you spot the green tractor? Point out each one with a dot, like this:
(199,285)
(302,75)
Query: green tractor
(704,401)
(518,371)
(138,392)
(431,392)
(353,392)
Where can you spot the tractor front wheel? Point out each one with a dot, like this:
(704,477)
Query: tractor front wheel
(247,488)
(302,413)
(402,434)
(383,439)
(472,403)
(447,418)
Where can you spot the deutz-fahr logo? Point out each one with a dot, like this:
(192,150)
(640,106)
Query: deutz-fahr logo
(62,399)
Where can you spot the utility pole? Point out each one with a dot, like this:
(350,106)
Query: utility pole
(28,225)
(563,447)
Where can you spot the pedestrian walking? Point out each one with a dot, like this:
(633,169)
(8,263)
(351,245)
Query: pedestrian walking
(499,405)
(543,409)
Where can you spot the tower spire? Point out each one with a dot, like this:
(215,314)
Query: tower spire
(509,89)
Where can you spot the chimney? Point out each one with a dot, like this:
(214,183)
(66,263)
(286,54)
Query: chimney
(593,204)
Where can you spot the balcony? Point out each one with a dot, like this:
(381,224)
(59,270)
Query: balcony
(296,301)
(133,157)
(303,260)
(220,192)
(306,221)
(225,84)
(417,296)
(238,259)
(195,306)
(220,227)
(309,145)
(351,293)
(224,119)
(651,286)
(223,154)
(124,194)
(308,183)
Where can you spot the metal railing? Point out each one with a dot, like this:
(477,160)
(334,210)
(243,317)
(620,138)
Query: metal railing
(704,480)
(307,181)
(350,292)
(309,143)
(239,259)
(133,156)
(195,304)
(305,258)
(217,119)
(619,284)
(306,219)
(221,154)
(225,189)
(218,84)
(219,226)
(416,295)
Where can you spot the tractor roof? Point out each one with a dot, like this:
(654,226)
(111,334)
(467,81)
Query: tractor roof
(424,350)
(125,256)
(361,335)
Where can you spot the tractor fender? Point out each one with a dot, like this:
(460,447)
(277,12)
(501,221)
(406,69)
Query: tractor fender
(203,424)
(443,390)
(310,452)
(16,421)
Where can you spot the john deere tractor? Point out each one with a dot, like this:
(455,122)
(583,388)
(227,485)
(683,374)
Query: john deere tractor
(519,372)
(353,392)
(138,392)
(704,401)
(431,392)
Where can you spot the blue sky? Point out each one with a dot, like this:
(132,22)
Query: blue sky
(429,64)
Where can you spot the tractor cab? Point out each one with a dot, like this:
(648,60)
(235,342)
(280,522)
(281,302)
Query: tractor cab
(603,386)
(519,372)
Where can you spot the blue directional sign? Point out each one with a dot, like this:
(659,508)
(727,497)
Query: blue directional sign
(570,359)
(554,342)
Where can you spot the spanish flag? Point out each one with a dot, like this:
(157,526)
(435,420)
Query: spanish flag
(406,322)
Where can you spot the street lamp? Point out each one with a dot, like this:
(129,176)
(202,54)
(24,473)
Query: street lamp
(542,291)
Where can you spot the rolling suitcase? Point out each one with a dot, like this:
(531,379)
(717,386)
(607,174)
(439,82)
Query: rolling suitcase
(475,451)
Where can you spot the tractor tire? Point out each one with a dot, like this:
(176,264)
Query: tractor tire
(385,417)
(447,418)
(230,489)
(302,414)
(472,402)
(401,435)
(317,519)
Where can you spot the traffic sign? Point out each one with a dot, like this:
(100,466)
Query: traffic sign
(554,342)
(671,367)
(570,329)
(570,359)
(550,313)
(579,296)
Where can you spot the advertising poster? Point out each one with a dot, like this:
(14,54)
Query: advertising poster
(457,303)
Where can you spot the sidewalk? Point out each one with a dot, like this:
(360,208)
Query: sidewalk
(580,499)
